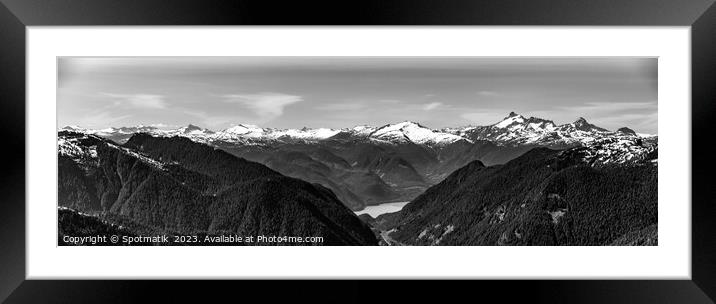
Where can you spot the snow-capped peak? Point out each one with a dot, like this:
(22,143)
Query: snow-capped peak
(193,130)
(72,128)
(239,132)
(408,131)
(511,119)
(581,124)
(135,129)
(253,132)
(517,122)
(405,125)
(244,129)
(363,130)
(514,130)
(307,133)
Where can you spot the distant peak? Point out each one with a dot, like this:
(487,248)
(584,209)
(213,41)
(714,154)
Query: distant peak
(403,124)
(362,129)
(512,118)
(626,130)
(583,125)
(513,114)
(244,126)
(243,129)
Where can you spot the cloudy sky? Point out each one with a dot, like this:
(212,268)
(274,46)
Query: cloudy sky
(338,92)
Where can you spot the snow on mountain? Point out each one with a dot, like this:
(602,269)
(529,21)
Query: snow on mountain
(618,149)
(76,147)
(626,130)
(408,131)
(120,134)
(581,124)
(254,133)
(513,130)
(190,131)
(516,130)
(242,130)
(72,128)
(121,130)
(512,120)
(140,156)
(85,130)
(362,130)
(517,127)
(306,133)
(194,130)
(81,147)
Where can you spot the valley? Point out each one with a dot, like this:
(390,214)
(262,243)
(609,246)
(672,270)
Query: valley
(520,181)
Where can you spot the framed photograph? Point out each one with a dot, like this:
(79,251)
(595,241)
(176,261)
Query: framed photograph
(472,141)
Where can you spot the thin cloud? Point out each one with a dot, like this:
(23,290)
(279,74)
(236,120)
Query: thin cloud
(612,115)
(204,119)
(488,93)
(138,101)
(484,118)
(632,120)
(266,105)
(432,106)
(341,107)
(645,117)
(163,125)
(611,107)
(640,116)
(100,120)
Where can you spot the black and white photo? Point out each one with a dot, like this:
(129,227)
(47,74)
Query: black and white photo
(357,151)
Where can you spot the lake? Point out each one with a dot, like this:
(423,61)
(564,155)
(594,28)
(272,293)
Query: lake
(377,210)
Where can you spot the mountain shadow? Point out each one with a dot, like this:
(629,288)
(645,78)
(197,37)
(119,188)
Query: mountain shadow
(179,185)
(544,197)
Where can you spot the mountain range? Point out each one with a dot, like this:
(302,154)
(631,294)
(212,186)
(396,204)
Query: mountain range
(366,165)
(544,197)
(514,129)
(178,186)
(520,181)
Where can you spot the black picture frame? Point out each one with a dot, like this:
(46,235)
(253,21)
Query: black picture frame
(16,15)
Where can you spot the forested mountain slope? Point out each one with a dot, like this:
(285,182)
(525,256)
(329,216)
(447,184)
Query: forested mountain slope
(544,197)
(371,165)
(176,184)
